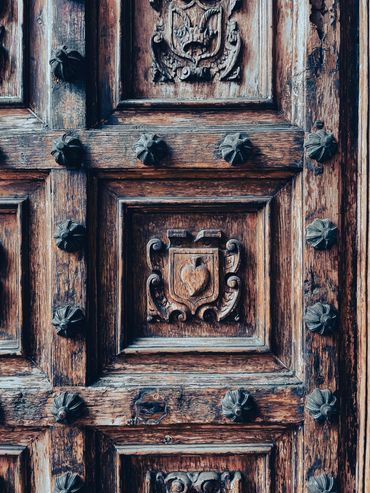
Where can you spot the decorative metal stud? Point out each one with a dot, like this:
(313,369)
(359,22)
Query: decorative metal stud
(321,318)
(321,405)
(321,145)
(67,64)
(67,407)
(322,484)
(237,405)
(236,148)
(70,236)
(68,151)
(68,483)
(150,149)
(68,320)
(321,234)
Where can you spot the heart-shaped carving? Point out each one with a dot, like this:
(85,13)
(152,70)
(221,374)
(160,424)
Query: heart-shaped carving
(195,276)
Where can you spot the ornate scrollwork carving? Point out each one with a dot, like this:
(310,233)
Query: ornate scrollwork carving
(193,482)
(202,280)
(194,41)
(69,236)
(321,405)
(236,148)
(67,407)
(67,151)
(237,405)
(321,234)
(322,484)
(68,483)
(321,145)
(67,64)
(321,318)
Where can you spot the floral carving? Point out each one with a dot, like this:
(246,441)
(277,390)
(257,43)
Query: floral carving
(321,405)
(196,265)
(68,320)
(194,41)
(237,405)
(193,482)
(322,484)
(67,64)
(67,407)
(69,236)
(236,148)
(321,318)
(68,483)
(321,145)
(321,234)
(67,151)
(150,149)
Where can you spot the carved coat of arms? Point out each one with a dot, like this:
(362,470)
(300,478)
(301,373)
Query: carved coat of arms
(196,40)
(200,276)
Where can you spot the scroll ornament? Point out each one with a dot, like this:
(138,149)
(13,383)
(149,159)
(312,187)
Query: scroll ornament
(193,482)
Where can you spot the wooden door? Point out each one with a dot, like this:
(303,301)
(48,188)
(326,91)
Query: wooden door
(178,244)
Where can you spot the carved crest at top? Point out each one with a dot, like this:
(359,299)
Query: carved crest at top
(193,276)
(196,40)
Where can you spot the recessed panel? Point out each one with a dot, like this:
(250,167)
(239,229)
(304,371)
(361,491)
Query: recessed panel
(194,274)
(11,51)
(194,472)
(197,50)
(12,275)
(12,469)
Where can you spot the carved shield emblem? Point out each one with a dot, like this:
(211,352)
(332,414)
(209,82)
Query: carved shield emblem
(200,280)
(196,40)
(196,30)
(194,276)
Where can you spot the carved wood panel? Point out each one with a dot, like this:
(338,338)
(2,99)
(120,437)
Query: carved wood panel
(202,280)
(197,50)
(196,469)
(13,469)
(11,52)
(13,273)
(218,287)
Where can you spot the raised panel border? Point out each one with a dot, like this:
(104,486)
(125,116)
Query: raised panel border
(18,38)
(15,345)
(259,343)
(20,453)
(234,449)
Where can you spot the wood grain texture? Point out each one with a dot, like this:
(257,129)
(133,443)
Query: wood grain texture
(166,370)
(322,200)
(363,454)
(68,201)
(270,147)
(13,277)
(114,406)
(12,59)
(67,100)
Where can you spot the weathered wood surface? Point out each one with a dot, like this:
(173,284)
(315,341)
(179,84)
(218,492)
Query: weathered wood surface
(267,202)
(275,147)
(363,361)
(114,406)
